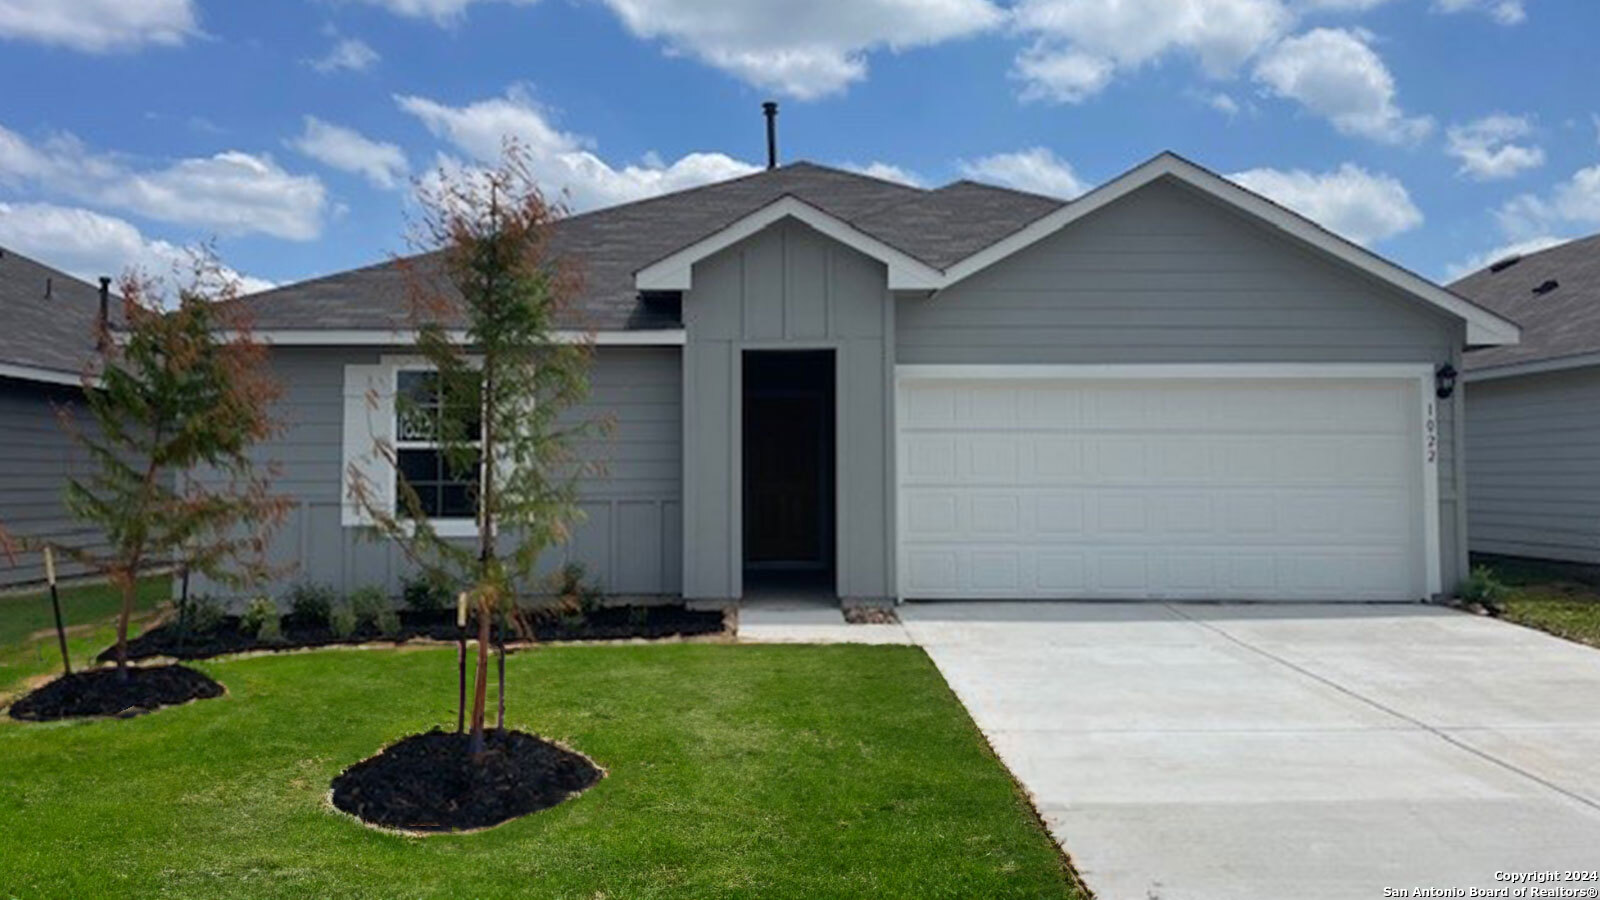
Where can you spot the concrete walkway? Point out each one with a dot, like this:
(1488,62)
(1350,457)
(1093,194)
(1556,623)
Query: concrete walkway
(804,622)
(1240,752)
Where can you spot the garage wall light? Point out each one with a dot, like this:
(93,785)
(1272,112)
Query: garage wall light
(1444,381)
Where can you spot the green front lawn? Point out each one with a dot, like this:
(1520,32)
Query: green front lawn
(734,771)
(28,637)
(1550,599)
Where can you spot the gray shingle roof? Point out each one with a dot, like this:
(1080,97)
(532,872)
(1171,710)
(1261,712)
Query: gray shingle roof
(935,226)
(54,331)
(1562,322)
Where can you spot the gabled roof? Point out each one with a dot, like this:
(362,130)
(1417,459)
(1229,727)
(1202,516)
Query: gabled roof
(1560,325)
(928,239)
(616,242)
(1483,326)
(47,321)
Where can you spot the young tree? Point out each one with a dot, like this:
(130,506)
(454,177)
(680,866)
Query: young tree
(177,399)
(498,400)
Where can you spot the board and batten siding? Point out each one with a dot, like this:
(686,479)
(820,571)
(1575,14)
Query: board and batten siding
(1533,465)
(630,540)
(788,287)
(36,459)
(1169,276)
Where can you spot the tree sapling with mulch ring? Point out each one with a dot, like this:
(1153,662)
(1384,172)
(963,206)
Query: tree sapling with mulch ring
(430,782)
(110,692)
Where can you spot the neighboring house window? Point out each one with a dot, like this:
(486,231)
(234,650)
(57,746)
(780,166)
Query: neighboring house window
(446,483)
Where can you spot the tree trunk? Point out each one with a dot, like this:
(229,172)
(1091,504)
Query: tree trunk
(500,644)
(129,587)
(461,679)
(480,690)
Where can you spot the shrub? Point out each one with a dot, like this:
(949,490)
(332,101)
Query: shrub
(256,614)
(388,622)
(575,591)
(425,594)
(203,614)
(368,604)
(1484,589)
(639,616)
(312,602)
(342,621)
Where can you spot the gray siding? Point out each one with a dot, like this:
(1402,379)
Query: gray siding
(630,539)
(787,286)
(1533,465)
(1167,276)
(36,458)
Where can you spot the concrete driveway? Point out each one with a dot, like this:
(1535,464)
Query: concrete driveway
(1238,752)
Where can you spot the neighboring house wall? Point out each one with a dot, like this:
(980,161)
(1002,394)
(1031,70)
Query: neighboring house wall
(787,287)
(1167,276)
(630,540)
(1533,464)
(36,458)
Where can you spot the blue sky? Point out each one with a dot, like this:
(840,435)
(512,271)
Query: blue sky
(1438,132)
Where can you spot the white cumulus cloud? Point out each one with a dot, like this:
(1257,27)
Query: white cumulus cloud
(1035,169)
(1334,73)
(1573,203)
(802,50)
(98,26)
(1080,45)
(1349,201)
(233,192)
(347,54)
(88,244)
(1506,12)
(1488,150)
(348,150)
(562,161)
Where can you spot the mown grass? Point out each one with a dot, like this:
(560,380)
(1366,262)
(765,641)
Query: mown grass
(734,771)
(1550,598)
(28,644)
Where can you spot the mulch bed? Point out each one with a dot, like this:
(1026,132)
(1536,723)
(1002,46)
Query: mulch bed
(101,692)
(609,623)
(428,782)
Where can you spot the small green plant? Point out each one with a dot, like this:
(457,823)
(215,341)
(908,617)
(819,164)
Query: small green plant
(342,621)
(1484,589)
(425,593)
(575,591)
(312,602)
(256,614)
(572,619)
(202,615)
(368,604)
(638,616)
(388,622)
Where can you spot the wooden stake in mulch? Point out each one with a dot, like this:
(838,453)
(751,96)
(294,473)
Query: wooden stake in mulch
(55,604)
(461,662)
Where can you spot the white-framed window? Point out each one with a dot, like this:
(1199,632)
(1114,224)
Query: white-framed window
(446,484)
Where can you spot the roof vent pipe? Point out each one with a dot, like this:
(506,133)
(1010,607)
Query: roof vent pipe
(770,110)
(103,325)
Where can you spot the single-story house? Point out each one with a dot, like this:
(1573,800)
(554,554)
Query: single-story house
(1169,387)
(47,338)
(1533,425)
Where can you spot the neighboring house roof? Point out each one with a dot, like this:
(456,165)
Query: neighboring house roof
(1560,324)
(928,239)
(47,321)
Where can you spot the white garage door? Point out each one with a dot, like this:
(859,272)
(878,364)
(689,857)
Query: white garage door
(1214,488)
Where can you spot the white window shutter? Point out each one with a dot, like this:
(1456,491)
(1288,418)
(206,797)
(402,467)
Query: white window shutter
(368,426)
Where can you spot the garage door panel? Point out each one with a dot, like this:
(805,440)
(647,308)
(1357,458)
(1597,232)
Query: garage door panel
(1217,489)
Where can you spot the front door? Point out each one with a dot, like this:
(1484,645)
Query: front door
(788,460)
